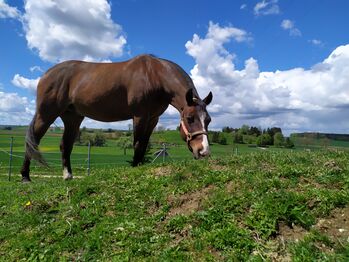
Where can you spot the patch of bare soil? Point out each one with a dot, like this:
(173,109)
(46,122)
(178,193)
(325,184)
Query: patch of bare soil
(336,226)
(291,234)
(216,166)
(162,171)
(332,165)
(187,204)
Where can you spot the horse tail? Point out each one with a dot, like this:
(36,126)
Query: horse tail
(31,145)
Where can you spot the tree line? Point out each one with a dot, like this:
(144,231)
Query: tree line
(252,135)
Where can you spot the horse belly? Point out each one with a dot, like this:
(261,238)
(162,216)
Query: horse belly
(105,108)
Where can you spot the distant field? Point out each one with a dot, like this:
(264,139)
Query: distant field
(112,155)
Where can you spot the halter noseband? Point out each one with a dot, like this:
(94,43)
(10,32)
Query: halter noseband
(190,136)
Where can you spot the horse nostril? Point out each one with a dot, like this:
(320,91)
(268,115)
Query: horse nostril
(205,153)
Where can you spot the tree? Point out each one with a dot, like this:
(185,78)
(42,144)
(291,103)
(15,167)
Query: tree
(215,137)
(95,139)
(244,129)
(222,139)
(289,143)
(125,142)
(99,139)
(264,140)
(227,129)
(238,138)
(254,131)
(279,139)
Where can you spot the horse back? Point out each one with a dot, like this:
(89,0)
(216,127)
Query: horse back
(106,91)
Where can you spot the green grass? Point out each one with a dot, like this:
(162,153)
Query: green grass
(230,208)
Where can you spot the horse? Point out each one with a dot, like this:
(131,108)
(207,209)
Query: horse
(140,89)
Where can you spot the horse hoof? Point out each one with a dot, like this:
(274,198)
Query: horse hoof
(26,180)
(67,175)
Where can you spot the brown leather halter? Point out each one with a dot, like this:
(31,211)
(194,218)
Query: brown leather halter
(190,136)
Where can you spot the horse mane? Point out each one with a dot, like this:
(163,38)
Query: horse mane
(184,74)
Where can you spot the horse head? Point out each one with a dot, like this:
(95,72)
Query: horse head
(194,124)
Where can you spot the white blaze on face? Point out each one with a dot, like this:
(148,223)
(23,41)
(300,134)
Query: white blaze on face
(205,146)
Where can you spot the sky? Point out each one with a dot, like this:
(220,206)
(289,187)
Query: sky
(268,63)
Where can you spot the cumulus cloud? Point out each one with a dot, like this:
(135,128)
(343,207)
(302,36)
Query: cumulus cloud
(289,26)
(267,7)
(297,99)
(65,29)
(7,11)
(25,83)
(15,109)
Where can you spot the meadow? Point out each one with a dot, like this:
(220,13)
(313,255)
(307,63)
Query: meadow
(257,205)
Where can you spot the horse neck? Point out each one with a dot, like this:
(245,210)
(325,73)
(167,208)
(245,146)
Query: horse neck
(177,84)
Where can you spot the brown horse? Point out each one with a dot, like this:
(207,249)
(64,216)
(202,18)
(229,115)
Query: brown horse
(140,89)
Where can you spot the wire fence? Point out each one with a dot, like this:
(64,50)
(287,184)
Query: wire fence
(84,159)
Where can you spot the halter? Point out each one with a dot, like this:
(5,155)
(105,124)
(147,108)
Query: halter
(190,136)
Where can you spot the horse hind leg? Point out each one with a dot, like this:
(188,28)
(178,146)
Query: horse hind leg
(36,131)
(72,123)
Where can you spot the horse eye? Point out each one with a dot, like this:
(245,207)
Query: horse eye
(190,119)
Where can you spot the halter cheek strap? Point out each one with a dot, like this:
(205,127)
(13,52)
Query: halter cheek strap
(190,136)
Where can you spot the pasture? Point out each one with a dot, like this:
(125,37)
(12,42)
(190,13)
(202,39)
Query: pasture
(257,205)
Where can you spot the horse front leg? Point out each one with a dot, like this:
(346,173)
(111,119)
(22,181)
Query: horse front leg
(71,129)
(142,128)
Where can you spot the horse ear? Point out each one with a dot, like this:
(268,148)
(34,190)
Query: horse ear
(207,100)
(189,97)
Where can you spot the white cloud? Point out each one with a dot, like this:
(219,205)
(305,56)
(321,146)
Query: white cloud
(289,25)
(65,29)
(25,83)
(316,42)
(267,7)
(297,99)
(243,6)
(36,68)
(14,109)
(7,11)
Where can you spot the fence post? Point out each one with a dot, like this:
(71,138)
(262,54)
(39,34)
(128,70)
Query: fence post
(10,161)
(164,154)
(88,157)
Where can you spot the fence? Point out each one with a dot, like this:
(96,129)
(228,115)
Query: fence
(53,162)
(83,158)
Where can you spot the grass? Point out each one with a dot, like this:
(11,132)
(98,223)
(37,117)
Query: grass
(259,206)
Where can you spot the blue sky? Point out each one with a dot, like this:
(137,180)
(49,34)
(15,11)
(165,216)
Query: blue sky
(268,62)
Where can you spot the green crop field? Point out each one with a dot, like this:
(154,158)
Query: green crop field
(106,156)
(256,205)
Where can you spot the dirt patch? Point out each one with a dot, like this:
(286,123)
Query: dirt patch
(333,166)
(162,171)
(335,226)
(293,233)
(216,166)
(187,204)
